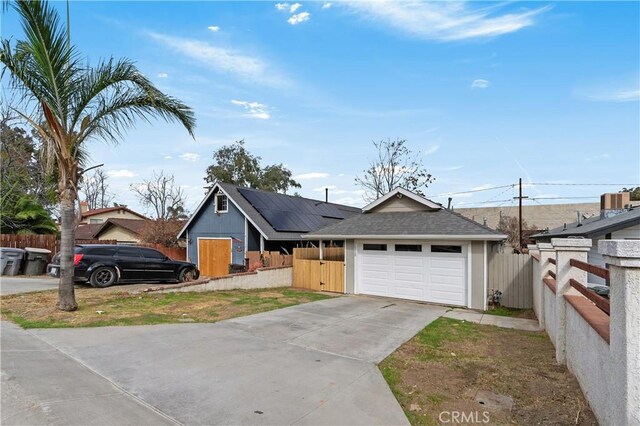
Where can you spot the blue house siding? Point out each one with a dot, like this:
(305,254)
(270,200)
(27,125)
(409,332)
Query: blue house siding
(209,224)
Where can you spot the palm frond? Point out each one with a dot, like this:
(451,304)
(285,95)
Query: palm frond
(114,95)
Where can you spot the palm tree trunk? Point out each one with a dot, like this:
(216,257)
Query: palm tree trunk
(66,293)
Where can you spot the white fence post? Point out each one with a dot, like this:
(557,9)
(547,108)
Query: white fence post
(567,249)
(623,257)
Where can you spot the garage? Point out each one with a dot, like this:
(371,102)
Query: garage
(409,247)
(426,271)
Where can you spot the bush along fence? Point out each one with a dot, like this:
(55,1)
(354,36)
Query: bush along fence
(597,338)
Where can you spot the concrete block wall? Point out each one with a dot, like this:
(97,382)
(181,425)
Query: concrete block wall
(278,276)
(606,363)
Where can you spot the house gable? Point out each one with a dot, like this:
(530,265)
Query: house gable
(403,204)
(401,200)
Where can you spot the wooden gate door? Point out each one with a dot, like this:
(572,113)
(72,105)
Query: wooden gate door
(214,257)
(332,276)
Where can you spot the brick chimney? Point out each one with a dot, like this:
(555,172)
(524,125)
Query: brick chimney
(614,203)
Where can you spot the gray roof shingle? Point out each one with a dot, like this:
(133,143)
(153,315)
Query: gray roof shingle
(425,223)
(594,227)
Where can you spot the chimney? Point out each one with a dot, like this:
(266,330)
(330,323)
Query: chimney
(579,218)
(84,207)
(326,195)
(612,204)
(449,204)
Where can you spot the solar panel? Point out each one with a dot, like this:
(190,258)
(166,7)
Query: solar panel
(291,214)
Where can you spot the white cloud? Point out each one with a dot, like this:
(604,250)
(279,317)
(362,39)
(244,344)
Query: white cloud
(168,157)
(295,7)
(213,28)
(312,175)
(220,59)
(163,75)
(431,149)
(614,96)
(445,21)
(452,168)
(598,157)
(254,109)
(299,18)
(190,156)
(123,173)
(326,5)
(282,6)
(480,83)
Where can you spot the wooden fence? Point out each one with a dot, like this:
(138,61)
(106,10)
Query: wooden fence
(50,242)
(311,273)
(269,258)
(512,274)
(328,253)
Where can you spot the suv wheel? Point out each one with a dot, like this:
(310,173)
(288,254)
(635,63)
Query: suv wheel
(103,277)
(187,274)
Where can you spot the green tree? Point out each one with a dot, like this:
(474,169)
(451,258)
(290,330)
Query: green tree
(70,103)
(22,172)
(25,216)
(234,164)
(635,192)
(395,165)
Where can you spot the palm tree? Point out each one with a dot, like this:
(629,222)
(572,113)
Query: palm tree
(70,103)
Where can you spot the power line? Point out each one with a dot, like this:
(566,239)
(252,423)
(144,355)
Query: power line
(445,194)
(583,184)
(564,198)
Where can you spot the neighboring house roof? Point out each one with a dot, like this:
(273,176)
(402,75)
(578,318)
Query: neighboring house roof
(434,223)
(594,227)
(546,216)
(253,215)
(134,226)
(111,209)
(87,232)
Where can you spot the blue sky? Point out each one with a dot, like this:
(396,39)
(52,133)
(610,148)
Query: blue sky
(485,93)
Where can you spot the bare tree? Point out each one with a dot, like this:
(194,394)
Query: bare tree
(160,194)
(394,166)
(96,190)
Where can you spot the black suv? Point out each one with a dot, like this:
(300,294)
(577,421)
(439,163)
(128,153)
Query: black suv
(103,265)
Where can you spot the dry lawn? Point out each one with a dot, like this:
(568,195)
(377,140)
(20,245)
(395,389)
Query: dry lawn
(104,307)
(443,368)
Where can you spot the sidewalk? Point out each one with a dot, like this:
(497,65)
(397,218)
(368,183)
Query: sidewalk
(41,385)
(488,319)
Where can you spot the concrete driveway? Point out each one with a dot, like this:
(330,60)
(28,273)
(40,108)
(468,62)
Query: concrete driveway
(308,364)
(22,284)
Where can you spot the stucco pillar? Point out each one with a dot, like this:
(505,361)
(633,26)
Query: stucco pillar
(545,252)
(567,249)
(623,257)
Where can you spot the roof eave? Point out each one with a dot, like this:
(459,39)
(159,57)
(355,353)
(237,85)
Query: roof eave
(497,237)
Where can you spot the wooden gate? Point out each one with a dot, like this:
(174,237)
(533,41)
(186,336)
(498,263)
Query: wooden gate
(318,275)
(214,257)
(512,274)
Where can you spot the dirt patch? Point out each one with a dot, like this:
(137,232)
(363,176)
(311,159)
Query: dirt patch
(454,366)
(125,306)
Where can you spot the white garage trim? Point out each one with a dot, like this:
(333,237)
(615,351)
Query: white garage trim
(485,268)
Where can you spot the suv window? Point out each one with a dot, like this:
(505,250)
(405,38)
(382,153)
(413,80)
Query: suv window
(152,254)
(101,251)
(129,251)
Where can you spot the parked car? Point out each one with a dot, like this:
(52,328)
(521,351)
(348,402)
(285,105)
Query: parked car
(102,265)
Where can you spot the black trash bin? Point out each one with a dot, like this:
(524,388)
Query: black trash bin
(10,260)
(36,260)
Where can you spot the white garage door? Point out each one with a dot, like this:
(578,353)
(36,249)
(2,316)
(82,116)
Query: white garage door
(419,271)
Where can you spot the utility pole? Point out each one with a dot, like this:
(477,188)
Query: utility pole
(520,197)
